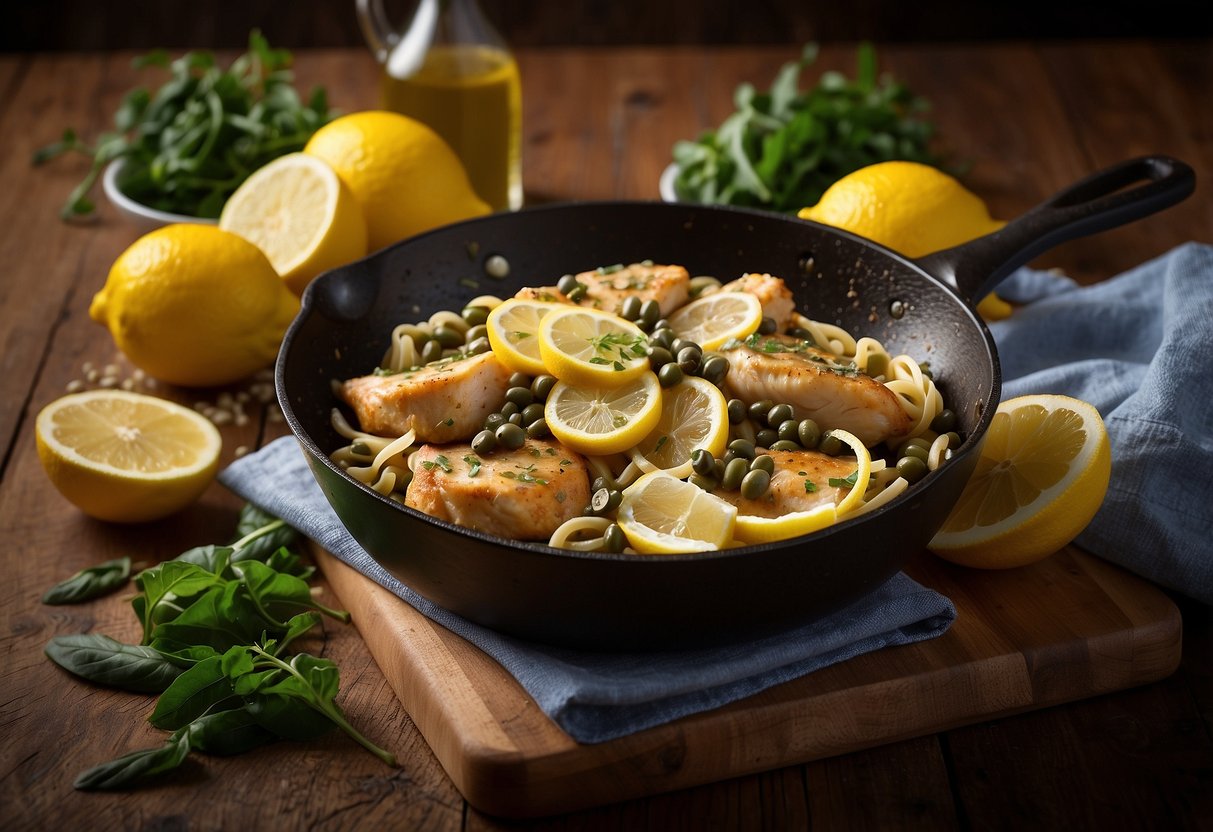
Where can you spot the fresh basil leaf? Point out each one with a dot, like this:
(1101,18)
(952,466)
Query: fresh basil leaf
(195,692)
(213,559)
(225,733)
(134,768)
(101,659)
(279,596)
(260,534)
(223,617)
(289,717)
(90,583)
(169,589)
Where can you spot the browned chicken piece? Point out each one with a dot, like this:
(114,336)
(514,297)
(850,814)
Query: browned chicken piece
(608,287)
(444,401)
(774,295)
(547,294)
(521,495)
(788,491)
(818,386)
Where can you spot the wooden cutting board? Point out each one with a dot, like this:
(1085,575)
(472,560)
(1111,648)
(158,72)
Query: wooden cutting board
(1067,628)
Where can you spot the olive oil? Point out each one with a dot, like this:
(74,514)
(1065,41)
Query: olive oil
(471,95)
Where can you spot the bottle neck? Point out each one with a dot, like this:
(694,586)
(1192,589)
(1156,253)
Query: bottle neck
(440,23)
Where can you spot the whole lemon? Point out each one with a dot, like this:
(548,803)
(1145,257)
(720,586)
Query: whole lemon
(194,305)
(912,208)
(405,177)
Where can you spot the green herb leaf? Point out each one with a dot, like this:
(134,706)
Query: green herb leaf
(195,692)
(473,463)
(810,486)
(845,482)
(101,659)
(229,732)
(90,583)
(132,769)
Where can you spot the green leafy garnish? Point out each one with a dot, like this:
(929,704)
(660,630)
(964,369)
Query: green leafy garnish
(473,463)
(614,348)
(780,150)
(90,583)
(845,482)
(440,462)
(810,486)
(187,147)
(526,474)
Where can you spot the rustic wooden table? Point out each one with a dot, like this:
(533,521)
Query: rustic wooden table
(598,124)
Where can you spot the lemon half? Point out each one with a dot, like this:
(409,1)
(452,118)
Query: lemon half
(663,515)
(1043,473)
(126,457)
(301,215)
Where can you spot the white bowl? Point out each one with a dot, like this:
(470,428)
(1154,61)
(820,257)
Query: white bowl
(143,217)
(665,185)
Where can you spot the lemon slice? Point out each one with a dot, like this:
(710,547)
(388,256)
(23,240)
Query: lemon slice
(592,348)
(514,334)
(124,456)
(712,320)
(663,515)
(694,414)
(603,420)
(1043,473)
(863,472)
(753,529)
(301,216)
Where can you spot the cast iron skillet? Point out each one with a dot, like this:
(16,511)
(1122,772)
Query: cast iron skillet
(602,601)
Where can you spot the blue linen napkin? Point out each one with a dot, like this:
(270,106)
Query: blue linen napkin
(600,696)
(1135,347)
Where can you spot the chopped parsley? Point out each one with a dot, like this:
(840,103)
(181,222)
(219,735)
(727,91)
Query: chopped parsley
(447,422)
(845,482)
(473,463)
(519,335)
(614,348)
(803,346)
(439,461)
(810,486)
(660,443)
(604,270)
(527,475)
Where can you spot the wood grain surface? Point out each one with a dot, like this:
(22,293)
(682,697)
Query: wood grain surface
(1029,118)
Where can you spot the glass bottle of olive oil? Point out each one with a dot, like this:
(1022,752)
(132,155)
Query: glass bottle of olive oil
(451,70)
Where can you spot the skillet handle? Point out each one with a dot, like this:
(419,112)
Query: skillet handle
(1099,202)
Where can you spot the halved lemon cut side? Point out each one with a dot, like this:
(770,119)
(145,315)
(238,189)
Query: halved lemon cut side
(1042,476)
(663,515)
(126,457)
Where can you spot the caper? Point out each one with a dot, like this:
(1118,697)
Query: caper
(702,461)
(659,357)
(718,470)
(567,283)
(432,351)
(509,409)
(606,499)
(944,421)
(613,539)
(663,338)
(785,445)
(779,414)
(714,368)
(669,375)
(830,445)
(538,429)
(911,468)
(729,456)
(359,448)
(515,419)
(478,347)
(878,365)
(448,336)
(737,412)
(521,396)
(650,312)
(707,483)
(420,339)
(532,412)
(758,410)
(519,380)
(734,473)
(662,323)
(914,442)
(510,436)
(953,440)
(494,421)
(542,386)
(788,430)
(601,482)
(578,294)
(808,434)
(681,344)
(801,333)
(925,367)
(478,331)
(767,326)
(475,315)
(484,443)
(630,308)
(763,462)
(688,361)
(765,438)
(916,451)
(742,447)
(690,352)
(755,484)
